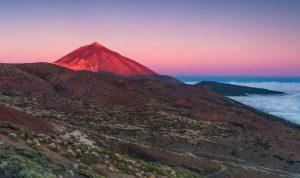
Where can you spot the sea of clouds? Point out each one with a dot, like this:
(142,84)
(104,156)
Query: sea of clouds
(285,106)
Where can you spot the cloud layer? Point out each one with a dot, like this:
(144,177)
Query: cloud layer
(284,106)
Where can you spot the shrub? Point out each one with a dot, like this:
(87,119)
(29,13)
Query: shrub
(262,142)
(42,159)
(155,167)
(86,173)
(12,165)
(122,166)
(88,159)
(182,173)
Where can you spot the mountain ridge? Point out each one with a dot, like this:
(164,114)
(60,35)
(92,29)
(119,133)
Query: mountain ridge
(236,90)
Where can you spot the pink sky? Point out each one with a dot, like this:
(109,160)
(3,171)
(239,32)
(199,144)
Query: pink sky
(184,42)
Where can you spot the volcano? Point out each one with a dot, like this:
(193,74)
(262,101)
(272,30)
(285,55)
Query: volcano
(95,57)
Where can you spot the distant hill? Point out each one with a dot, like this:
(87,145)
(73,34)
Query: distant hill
(235,90)
(95,57)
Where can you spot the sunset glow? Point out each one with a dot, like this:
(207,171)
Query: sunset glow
(175,37)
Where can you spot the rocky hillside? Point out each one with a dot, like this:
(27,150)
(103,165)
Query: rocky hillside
(144,126)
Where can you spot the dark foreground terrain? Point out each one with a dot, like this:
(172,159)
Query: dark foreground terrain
(58,122)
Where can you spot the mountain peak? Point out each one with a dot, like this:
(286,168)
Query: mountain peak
(95,57)
(96,44)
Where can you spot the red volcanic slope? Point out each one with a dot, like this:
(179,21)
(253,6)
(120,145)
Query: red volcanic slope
(95,57)
(33,123)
